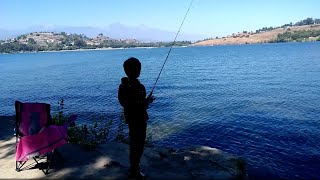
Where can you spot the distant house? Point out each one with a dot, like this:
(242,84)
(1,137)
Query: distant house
(50,40)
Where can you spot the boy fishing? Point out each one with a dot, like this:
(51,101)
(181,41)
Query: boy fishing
(132,97)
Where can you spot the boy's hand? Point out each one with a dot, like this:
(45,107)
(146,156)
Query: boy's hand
(150,99)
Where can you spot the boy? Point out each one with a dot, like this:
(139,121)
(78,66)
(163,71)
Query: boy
(132,97)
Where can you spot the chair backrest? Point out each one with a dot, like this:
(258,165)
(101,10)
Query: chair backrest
(31,117)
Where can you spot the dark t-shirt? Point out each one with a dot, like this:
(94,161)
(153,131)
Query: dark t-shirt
(132,96)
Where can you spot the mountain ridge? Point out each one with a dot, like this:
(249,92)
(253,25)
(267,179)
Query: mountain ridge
(115,30)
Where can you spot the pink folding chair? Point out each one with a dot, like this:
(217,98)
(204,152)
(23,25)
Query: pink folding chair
(35,137)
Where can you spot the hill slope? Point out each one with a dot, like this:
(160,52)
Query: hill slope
(261,37)
(51,41)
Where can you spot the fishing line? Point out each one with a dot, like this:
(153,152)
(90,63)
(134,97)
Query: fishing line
(171,48)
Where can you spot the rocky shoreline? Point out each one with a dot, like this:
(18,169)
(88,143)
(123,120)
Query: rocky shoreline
(110,161)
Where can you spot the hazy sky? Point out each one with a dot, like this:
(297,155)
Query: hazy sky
(209,17)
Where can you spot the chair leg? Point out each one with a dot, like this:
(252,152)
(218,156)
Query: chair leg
(19,165)
(50,161)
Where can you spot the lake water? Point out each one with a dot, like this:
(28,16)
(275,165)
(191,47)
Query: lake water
(261,102)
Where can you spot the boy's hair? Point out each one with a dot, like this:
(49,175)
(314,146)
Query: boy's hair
(132,67)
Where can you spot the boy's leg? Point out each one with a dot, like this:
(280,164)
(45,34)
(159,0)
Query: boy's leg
(141,138)
(137,133)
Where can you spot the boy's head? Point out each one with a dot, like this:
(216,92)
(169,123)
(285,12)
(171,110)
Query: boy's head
(132,67)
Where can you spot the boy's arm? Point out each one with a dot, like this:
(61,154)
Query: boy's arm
(149,99)
(122,96)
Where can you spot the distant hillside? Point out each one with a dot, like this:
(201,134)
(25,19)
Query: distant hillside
(116,30)
(305,30)
(50,41)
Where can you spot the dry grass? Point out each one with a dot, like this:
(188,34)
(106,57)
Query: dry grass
(248,38)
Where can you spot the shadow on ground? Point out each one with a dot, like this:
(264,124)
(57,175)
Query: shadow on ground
(111,161)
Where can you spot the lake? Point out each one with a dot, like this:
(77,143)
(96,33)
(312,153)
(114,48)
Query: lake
(260,102)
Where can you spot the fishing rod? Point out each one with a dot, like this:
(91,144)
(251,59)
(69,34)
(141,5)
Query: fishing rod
(170,49)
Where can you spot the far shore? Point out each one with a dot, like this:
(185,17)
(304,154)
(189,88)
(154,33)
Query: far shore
(192,45)
(100,49)
(97,49)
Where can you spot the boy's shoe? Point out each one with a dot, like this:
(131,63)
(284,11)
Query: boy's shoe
(138,175)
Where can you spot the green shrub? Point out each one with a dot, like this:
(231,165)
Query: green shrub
(91,135)
(59,118)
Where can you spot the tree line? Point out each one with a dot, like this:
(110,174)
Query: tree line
(75,41)
(298,36)
(307,21)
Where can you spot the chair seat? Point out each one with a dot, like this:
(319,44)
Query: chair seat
(35,136)
(48,139)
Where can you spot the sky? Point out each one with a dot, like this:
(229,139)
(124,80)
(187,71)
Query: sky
(207,17)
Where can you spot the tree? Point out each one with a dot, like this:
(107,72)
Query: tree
(22,37)
(31,41)
(308,21)
(79,43)
(297,35)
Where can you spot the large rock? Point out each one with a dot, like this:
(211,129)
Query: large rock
(190,163)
